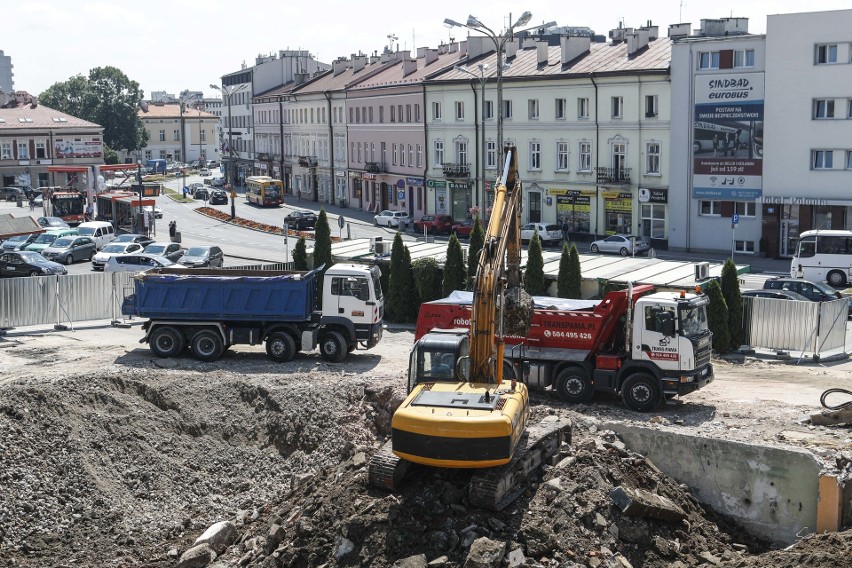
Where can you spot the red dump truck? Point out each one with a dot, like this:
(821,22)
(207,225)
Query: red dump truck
(644,345)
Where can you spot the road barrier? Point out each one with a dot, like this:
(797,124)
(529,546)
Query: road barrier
(795,326)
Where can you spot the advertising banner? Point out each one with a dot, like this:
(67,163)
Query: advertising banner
(78,149)
(727,148)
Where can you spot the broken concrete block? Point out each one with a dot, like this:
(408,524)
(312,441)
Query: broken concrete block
(219,536)
(417,561)
(197,557)
(640,503)
(485,553)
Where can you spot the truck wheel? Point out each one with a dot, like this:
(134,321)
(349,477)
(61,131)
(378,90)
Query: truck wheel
(836,279)
(640,392)
(573,386)
(332,347)
(280,347)
(166,341)
(207,345)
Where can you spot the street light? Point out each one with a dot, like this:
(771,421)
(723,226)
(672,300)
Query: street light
(499,40)
(482,80)
(229,92)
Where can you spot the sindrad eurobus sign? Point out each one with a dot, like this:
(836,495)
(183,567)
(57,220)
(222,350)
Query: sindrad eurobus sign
(728,137)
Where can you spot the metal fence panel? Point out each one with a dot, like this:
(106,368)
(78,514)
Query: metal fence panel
(832,325)
(28,301)
(794,326)
(286,266)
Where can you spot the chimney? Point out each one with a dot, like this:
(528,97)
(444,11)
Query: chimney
(454,47)
(511,48)
(477,45)
(421,52)
(679,31)
(358,63)
(735,26)
(431,56)
(462,48)
(541,49)
(619,34)
(573,47)
(442,49)
(636,41)
(712,28)
(387,56)
(339,66)
(374,58)
(409,66)
(653,31)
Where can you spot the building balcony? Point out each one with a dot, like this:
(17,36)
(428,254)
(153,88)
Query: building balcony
(456,170)
(375,167)
(620,176)
(308,161)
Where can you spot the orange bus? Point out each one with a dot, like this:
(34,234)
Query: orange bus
(264,191)
(69,205)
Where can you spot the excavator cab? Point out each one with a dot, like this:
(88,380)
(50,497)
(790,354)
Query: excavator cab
(434,358)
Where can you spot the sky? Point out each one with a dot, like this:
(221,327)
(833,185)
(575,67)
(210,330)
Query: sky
(188,44)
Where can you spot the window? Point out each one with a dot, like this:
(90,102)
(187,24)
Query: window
(371,114)
(823,108)
(849,159)
(399,113)
(23,151)
(708,60)
(491,154)
(507,109)
(203,135)
(532,106)
(352,150)
(439,152)
(489,109)
(461,152)
(176,135)
(822,159)
(41,151)
(745,208)
(562,156)
(402,154)
(372,151)
(381,114)
(653,220)
(535,156)
(585,163)
(358,115)
(419,155)
(6,151)
(162,135)
(825,53)
(745,246)
(407,113)
(582,108)
(394,155)
(459,110)
(359,153)
(393,113)
(652,158)
(163,154)
(410,155)
(744,58)
(710,208)
(651,106)
(436,111)
(148,154)
(561,112)
(384,151)
(416,113)
(617,107)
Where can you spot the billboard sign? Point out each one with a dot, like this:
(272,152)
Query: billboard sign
(727,149)
(78,148)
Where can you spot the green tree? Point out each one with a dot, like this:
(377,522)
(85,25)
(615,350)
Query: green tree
(477,239)
(110,155)
(717,317)
(402,295)
(734,301)
(534,282)
(300,255)
(427,278)
(322,247)
(454,272)
(106,97)
(569,280)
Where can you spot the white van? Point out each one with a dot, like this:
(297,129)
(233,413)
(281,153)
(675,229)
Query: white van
(100,231)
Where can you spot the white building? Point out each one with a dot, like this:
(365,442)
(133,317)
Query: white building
(180,136)
(808,177)
(7,83)
(716,166)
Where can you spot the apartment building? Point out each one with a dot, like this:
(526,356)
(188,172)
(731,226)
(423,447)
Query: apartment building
(180,133)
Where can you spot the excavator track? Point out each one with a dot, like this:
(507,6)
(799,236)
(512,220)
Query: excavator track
(386,469)
(495,488)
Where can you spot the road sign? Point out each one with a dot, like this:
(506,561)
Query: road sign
(341,221)
(735,219)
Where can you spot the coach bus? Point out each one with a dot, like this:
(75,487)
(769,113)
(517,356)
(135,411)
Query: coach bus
(68,204)
(824,255)
(264,191)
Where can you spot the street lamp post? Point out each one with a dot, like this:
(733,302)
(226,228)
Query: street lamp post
(482,80)
(229,175)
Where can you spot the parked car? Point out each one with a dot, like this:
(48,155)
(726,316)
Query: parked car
(201,193)
(101,232)
(46,239)
(301,220)
(136,262)
(463,229)
(390,218)
(172,251)
(620,244)
(28,263)
(218,182)
(19,242)
(546,233)
(154,210)
(193,187)
(774,294)
(204,172)
(113,249)
(218,197)
(12,193)
(143,240)
(813,291)
(53,223)
(68,250)
(435,224)
(206,257)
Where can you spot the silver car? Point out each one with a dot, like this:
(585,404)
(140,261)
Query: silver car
(111,250)
(547,233)
(172,251)
(621,244)
(136,262)
(70,249)
(388,218)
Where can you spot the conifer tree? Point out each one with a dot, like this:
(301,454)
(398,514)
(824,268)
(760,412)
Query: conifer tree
(402,295)
(300,254)
(717,317)
(427,278)
(454,271)
(322,249)
(734,301)
(569,279)
(477,239)
(534,282)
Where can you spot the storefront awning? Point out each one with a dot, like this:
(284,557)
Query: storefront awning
(69,169)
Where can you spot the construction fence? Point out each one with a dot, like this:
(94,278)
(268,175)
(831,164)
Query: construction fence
(796,326)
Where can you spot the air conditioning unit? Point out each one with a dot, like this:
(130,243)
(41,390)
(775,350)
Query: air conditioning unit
(377,246)
(702,271)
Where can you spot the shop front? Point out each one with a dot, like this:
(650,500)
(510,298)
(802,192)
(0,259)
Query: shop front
(460,199)
(653,216)
(785,218)
(574,207)
(618,212)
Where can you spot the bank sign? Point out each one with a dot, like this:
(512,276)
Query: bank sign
(727,146)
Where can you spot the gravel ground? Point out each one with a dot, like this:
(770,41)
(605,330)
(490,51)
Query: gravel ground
(111,457)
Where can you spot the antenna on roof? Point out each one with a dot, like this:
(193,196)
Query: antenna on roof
(391,38)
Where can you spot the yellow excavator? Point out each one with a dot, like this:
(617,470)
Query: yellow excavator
(466,407)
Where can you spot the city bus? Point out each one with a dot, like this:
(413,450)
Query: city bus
(824,255)
(264,191)
(68,204)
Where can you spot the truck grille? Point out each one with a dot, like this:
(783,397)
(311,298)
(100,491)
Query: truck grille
(702,357)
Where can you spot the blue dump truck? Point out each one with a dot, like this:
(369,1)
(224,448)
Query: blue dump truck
(208,310)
